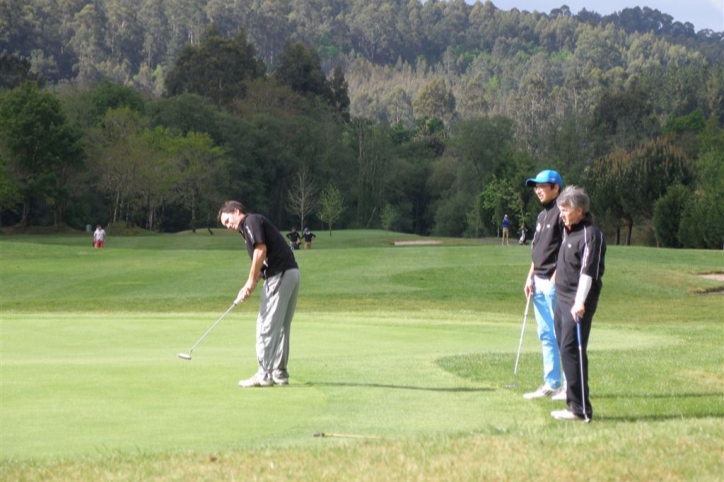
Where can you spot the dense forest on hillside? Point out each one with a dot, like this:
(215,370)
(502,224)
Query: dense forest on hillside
(422,117)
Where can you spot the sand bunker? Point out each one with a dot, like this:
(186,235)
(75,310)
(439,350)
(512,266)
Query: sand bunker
(715,277)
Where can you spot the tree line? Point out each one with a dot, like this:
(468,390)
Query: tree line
(434,140)
(129,40)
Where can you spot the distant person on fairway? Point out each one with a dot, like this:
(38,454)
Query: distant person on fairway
(506,230)
(308,236)
(99,237)
(523,234)
(578,283)
(540,283)
(272,260)
(293,238)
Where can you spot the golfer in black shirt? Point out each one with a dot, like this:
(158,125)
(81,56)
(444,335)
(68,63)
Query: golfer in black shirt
(578,285)
(272,260)
(540,283)
(294,238)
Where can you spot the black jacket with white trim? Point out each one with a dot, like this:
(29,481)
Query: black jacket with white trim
(582,252)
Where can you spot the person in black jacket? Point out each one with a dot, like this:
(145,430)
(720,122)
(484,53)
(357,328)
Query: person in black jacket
(523,235)
(579,271)
(294,238)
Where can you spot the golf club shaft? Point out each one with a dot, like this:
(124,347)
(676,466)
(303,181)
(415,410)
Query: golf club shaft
(522,331)
(212,327)
(580,358)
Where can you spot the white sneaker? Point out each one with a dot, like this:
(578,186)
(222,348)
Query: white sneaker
(567,415)
(561,394)
(542,391)
(256,381)
(280,377)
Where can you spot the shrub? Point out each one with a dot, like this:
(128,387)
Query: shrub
(668,211)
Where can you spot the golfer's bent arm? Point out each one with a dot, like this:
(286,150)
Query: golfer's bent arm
(584,286)
(257,261)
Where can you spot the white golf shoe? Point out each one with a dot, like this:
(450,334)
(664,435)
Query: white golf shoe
(256,381)
(280,378)
(542,391)
(567,415)
(561,394)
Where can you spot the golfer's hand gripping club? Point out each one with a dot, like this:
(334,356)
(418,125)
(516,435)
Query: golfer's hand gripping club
(246,291)
(241,296)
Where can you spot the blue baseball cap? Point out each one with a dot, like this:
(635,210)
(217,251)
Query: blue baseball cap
(547,176)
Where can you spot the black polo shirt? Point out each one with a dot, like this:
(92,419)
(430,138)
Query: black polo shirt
(547,240)
(582,252)
(257,229)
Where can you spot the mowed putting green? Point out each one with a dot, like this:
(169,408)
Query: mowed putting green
(397,347)
(75,384)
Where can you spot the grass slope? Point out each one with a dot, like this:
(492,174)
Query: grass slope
(408,346)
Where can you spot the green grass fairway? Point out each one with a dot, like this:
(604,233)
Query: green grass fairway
(403,350)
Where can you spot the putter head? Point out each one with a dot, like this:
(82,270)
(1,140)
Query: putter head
(512,385)
(184,356)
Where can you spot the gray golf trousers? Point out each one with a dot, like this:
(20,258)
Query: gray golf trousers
(276,310)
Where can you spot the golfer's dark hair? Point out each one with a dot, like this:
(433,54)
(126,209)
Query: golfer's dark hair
(574,197)
(230,207)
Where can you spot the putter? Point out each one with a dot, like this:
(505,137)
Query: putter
(187,356)
(520,344)
(580,358)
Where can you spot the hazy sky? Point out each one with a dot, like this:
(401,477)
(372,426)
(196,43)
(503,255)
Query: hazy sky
(701,13)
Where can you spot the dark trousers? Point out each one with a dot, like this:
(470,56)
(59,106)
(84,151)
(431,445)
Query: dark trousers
(568,345)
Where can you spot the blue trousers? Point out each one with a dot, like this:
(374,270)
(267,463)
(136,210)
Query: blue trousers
(544,303)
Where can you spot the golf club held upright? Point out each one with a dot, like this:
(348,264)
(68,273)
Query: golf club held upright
(580,358)
(520,344)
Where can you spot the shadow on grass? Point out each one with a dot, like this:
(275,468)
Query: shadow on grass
(704,410)
(400,387)
(662,417)
(622,396)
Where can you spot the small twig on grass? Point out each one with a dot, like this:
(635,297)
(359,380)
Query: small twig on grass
(342,435)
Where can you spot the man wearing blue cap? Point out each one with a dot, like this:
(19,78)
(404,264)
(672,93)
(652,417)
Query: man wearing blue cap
(308,236)
(540,283)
